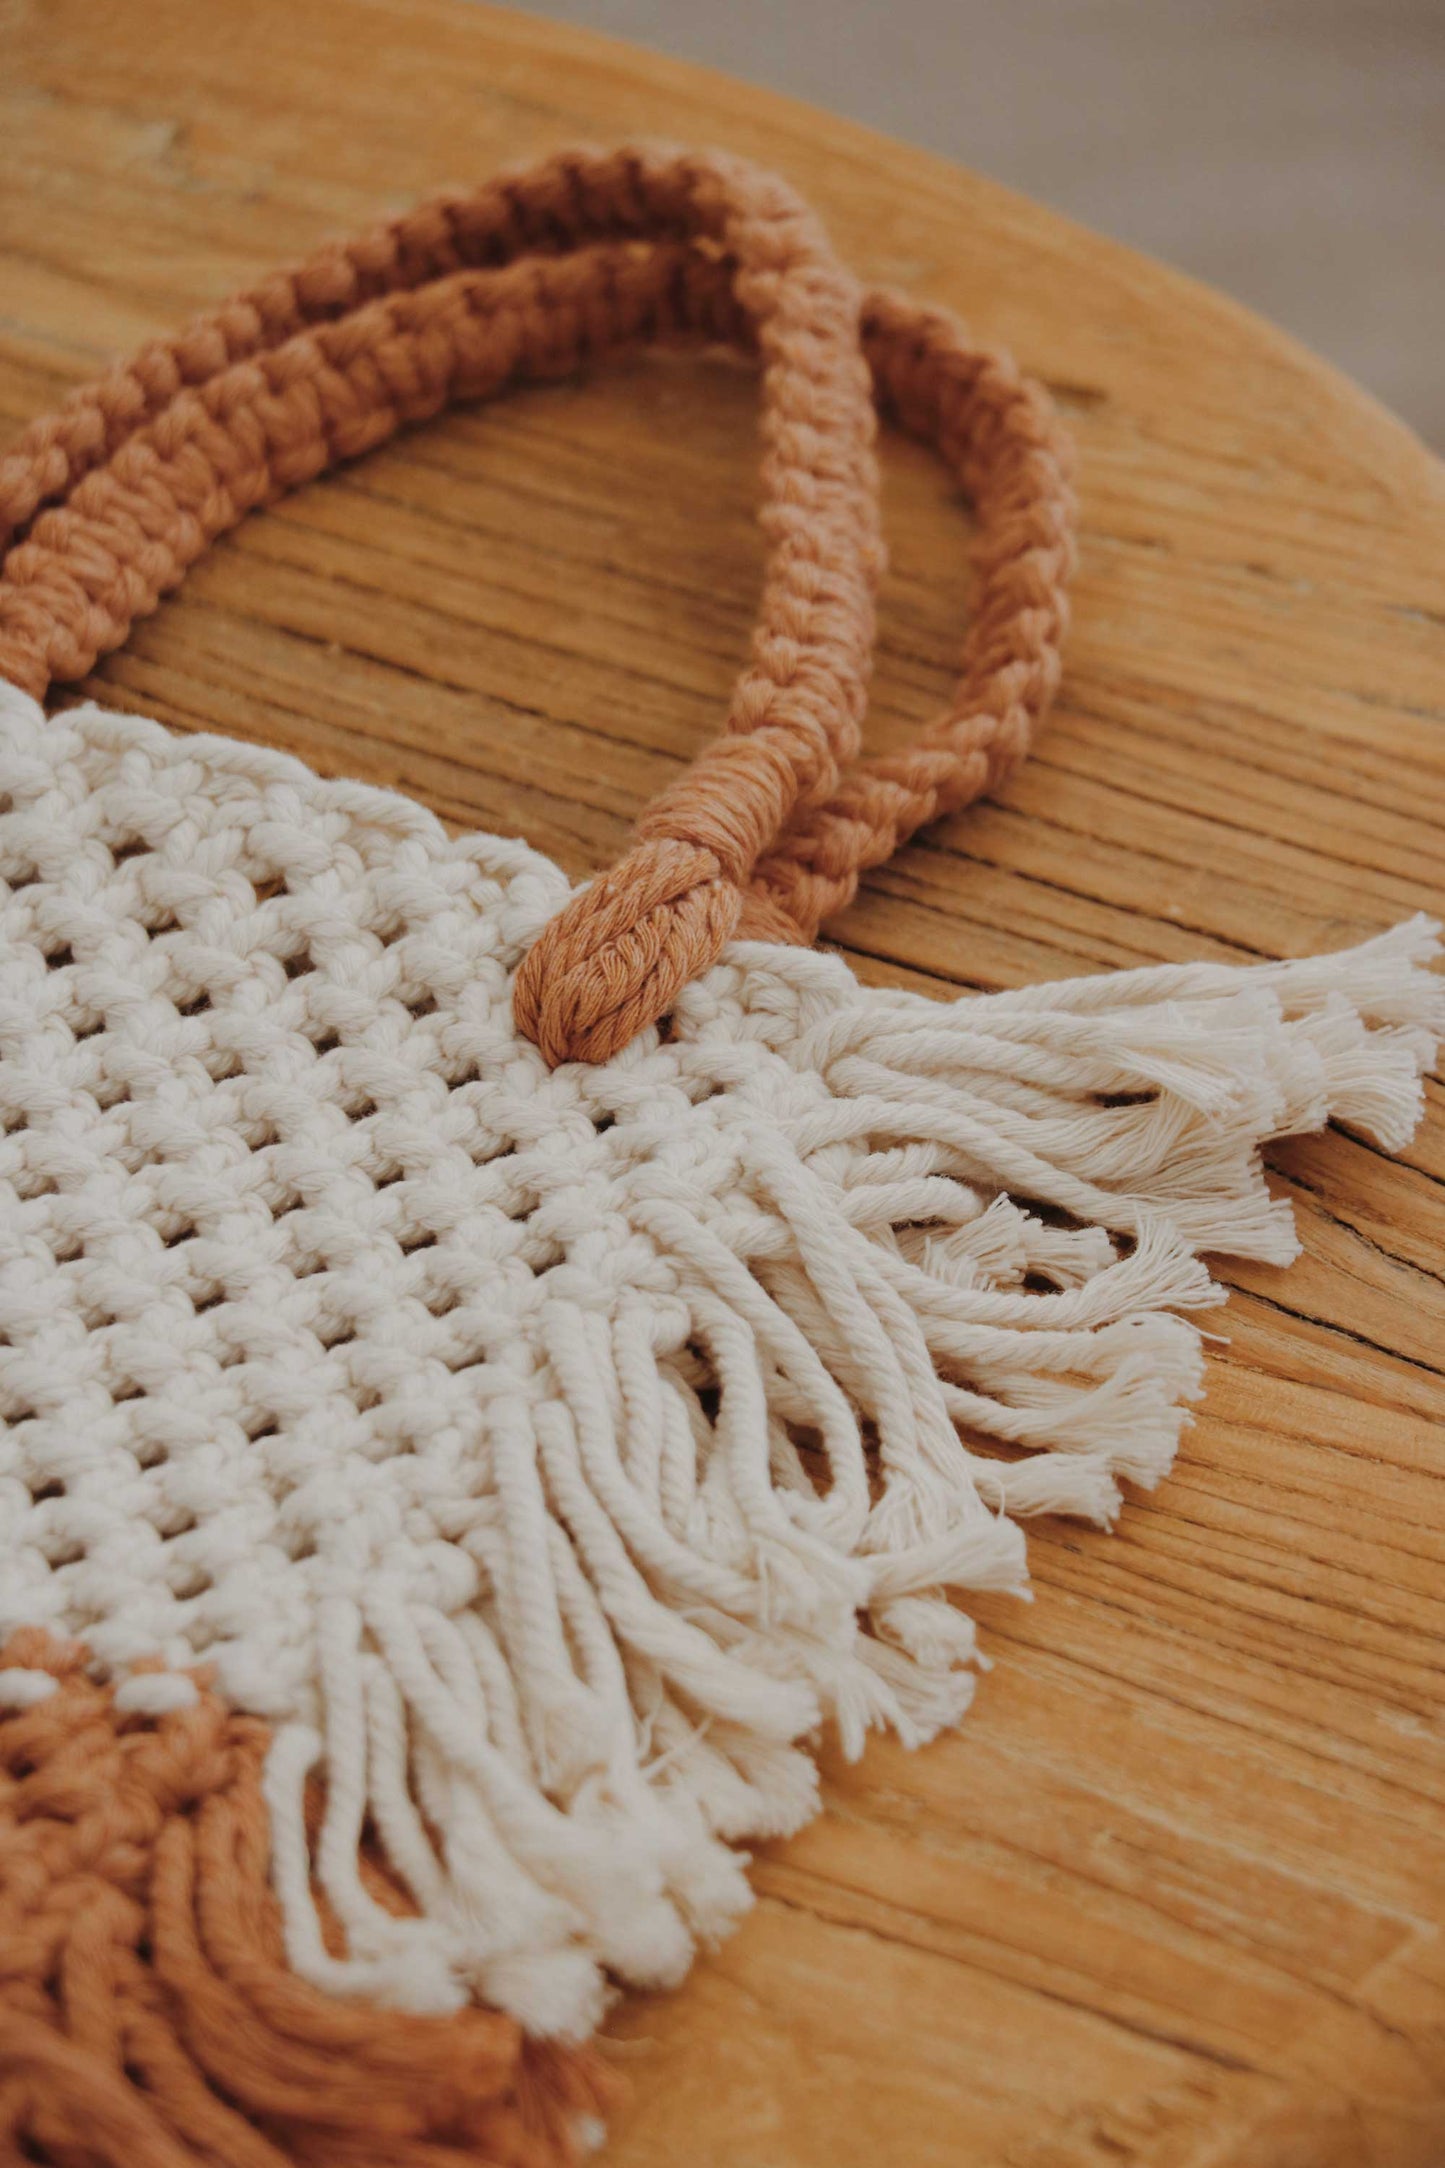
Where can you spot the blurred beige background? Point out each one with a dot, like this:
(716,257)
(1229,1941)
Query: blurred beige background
(1291,151)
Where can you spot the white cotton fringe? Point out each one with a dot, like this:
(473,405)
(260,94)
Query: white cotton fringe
(736,1494)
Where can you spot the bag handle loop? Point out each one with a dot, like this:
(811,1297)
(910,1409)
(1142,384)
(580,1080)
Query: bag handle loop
(530,278)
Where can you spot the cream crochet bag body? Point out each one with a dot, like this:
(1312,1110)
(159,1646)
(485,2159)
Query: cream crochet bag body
(545,1451)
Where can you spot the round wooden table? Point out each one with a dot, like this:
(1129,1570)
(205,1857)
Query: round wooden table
(1173,1896)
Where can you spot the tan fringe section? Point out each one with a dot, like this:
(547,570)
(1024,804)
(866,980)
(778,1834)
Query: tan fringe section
(147,2017)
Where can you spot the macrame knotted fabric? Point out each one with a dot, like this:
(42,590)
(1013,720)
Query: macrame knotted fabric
(489,1371)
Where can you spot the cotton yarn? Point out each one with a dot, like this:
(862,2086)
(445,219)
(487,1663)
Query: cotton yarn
(447,1484)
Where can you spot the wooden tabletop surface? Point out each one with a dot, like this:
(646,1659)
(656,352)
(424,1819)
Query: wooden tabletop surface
(1173,1897)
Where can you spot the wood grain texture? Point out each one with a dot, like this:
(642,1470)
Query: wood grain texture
(1173,1898)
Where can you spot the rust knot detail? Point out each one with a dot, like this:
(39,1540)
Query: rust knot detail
(616,958)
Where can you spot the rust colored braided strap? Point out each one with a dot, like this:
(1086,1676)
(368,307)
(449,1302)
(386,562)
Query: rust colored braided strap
(765,835)
(633,192)
(999,435)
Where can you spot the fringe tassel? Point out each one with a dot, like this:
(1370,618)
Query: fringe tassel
(778,1416)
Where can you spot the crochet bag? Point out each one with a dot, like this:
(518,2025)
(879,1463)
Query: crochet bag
(489,1371)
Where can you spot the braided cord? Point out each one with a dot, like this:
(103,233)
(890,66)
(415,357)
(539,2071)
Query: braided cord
(769,830)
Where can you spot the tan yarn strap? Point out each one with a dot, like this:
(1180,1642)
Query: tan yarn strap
(765,811)
(820,489)
(999,434)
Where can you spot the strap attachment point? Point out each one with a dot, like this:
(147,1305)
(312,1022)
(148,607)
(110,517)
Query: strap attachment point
(616,957)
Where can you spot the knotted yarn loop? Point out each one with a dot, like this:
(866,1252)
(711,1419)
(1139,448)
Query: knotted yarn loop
(618,955)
